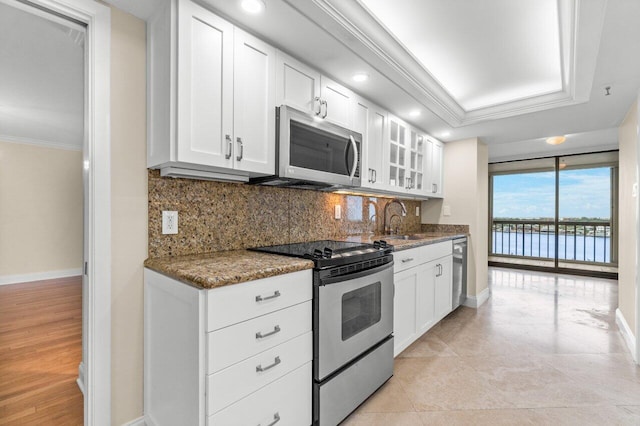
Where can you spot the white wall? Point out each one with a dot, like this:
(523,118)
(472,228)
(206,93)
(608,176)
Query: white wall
(129,213)
(629,232)
(466,195)
(41,212)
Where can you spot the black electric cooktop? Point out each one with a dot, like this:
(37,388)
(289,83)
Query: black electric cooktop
(327,253)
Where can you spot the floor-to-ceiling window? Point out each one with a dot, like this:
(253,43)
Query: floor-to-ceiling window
(557,212)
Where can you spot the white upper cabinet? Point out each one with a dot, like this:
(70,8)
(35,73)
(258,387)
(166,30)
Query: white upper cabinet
(254,114)
(297,85)
(435,157)
(212,94)
(205,87)
(397,177)
(371,121)
(303,88)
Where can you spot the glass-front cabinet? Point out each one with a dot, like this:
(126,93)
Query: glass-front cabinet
(416,162)
(398,135)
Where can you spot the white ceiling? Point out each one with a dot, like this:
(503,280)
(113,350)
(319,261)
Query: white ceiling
(496,70)
(41,79)
(482,53)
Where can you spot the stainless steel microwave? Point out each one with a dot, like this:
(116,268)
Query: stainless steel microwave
(312,153)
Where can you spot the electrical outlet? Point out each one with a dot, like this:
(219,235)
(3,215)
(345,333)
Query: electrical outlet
(417,210)
(337,211)
(446,210)
(169,222)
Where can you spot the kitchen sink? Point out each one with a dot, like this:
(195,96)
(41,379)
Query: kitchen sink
(404,237)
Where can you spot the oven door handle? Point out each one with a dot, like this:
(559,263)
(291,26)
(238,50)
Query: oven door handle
(354,275)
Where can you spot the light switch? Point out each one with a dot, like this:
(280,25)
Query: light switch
(417,210)
(446,210)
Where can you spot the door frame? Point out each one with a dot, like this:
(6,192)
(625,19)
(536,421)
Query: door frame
(637,177)
(95,370)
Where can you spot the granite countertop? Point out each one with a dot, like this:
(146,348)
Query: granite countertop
(418,239)
(223,268)
(218,269)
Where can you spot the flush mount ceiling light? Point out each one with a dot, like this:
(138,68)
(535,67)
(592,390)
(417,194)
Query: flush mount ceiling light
(415,113)
(445,134)
(556,140)
(359,77)
(253,6)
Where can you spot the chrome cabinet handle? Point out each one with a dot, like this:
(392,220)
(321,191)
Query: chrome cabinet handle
(326,109)
(317,101)
(276,329)
(355,156)
(434,188)
(408,259)
(276,419)
(239,156)
(229,146)
(273,296)
(260,368)
(375,176)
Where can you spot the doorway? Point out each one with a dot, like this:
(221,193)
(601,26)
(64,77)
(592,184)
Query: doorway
(95,370)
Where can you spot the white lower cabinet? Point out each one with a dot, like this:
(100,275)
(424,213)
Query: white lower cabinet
(236,355)
(281,402)
(423,291)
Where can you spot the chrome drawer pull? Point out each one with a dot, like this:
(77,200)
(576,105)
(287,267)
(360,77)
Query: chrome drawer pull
(276,419)
(260,368)
(273,296)
(408,259)
(259,334)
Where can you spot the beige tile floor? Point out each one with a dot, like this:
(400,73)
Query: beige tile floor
(543,350)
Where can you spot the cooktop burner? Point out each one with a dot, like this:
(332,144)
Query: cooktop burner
(329,252)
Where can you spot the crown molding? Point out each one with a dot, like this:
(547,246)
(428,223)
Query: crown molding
(352,24)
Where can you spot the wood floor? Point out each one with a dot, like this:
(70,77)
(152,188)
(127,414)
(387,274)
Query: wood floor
(40,349)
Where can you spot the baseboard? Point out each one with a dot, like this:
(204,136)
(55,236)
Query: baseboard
(477,301)
(137,422)
(39,276)
(80,380)
(627,335)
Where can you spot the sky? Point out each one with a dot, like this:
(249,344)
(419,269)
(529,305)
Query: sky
(583,193)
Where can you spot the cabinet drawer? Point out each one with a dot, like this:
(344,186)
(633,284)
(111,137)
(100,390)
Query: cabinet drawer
(240,302)
(406,259)
(288,398)
(233,383)
(437,250)
(235,343)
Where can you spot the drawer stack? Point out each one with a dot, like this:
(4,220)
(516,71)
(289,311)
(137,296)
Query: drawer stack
(259,352)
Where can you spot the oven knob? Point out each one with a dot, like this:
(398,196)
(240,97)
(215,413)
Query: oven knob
(383,244)
(328,252)
(317,254)
(376,244)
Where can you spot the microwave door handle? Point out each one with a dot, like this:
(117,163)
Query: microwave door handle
(355,157)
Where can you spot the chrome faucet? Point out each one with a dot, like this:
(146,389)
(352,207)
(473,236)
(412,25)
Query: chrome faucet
(387,226)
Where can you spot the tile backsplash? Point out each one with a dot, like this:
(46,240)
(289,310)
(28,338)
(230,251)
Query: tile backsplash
(217,216)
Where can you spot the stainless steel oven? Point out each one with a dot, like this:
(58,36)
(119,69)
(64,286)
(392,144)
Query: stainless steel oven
(352,322)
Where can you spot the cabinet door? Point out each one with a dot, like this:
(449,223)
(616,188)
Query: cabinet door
(397,147)
(436,168)
(254,105)
(425,300)
(404,309)
(375,147)
(205,87)
(416,162)
(297,85)
(443,287)
(435,156)
(338,103)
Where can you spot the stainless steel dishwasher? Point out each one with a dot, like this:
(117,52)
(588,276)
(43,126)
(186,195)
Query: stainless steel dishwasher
(459,271)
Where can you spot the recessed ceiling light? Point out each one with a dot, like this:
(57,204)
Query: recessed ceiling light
(556,140)
(253,6)
(360,77)
(445,134)
(415,113)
